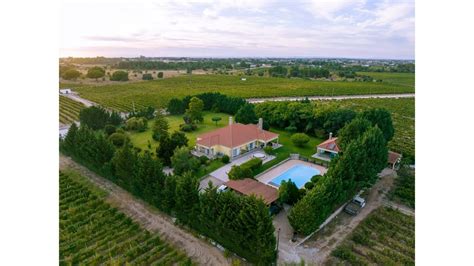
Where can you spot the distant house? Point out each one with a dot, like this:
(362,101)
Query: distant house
(250,186)
(394,160)
(234,139)
(65,91)
(327,149)
(243,79)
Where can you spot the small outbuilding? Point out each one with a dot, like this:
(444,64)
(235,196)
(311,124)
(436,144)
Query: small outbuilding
(394,160)
(65,91)
(250,186)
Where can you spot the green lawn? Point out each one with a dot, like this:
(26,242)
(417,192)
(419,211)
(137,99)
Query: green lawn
(157,93)
(141,139)
(394,78)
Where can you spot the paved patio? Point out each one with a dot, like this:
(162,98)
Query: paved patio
(274,172)
(221,173)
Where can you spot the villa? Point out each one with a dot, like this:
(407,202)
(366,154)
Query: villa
(234,139)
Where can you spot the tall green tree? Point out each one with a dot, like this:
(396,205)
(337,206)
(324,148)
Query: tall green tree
(183,161)
(94,117)
(176,107)
(95,73)
(195,109)
(168,199)
(246,114)
(119,75)
(160,127)
(381,118)
(124,162)
(351,131)
(288,192)
(71,74)
(187,198)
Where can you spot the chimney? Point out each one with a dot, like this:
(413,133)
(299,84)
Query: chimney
(330,135)
(230,120)
(260,123)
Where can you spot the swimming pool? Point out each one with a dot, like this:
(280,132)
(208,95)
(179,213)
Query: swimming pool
(300,174)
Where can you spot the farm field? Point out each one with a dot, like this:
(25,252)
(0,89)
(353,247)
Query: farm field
(157,93)
(404,190)
(68,110)
(394,78)
(385,237)
(92,232)
(403,116)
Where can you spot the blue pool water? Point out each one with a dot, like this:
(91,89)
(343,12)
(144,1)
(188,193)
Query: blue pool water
(300,174)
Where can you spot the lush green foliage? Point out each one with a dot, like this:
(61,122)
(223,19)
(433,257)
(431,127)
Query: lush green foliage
(119,76)
(168,144)
(299,139)
(160,75)
(240,224)
(225,159)
(351,131)
(97,117)
(71,74)
(69,110)
(404,190)
(118,139)
(95,72)
(288,192)
(139,124)
(160,127)
(147,76)
(385,237)
(240,172)
(353,169)
(159,92)
(252,164)
(91,232)
(381,118)
(183,161)
(194,111)
(246,114)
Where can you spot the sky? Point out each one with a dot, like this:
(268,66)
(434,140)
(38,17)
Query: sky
(383,29)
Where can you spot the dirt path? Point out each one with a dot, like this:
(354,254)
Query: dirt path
(400,207)
(151,219)
(341,97)
(319,247)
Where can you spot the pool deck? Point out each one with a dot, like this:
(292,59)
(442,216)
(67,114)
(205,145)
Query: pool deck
(280,169)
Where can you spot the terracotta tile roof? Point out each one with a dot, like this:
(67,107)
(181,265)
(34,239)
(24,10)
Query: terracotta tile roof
(393,157)
(234,135)
(249,187)
(330,144)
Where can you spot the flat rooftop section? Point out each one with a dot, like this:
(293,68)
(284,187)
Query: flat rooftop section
(280,169)
(249,187)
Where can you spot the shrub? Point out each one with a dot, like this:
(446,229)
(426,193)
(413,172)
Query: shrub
(187,127)
(203,159)
(252,164)
(239,172)
(225,159)
(71,74)
(118,139)
(291,129)
(315,178)
(119,76)
(160,75)
(109,129)
(309,185)
(299,139)
(136,123)
(268,149)
(147,77)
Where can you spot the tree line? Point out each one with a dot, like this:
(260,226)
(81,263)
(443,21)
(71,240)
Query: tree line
(213,101)
(318,119)
(363,156)
(241,224)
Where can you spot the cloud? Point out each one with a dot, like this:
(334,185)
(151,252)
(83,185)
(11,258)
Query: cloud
(240,28)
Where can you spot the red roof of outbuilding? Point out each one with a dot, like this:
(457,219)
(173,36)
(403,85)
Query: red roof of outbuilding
(234,135)
(393,157)
(330,144)
(249,187)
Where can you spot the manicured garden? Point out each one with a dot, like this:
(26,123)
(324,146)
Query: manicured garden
(385,237)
